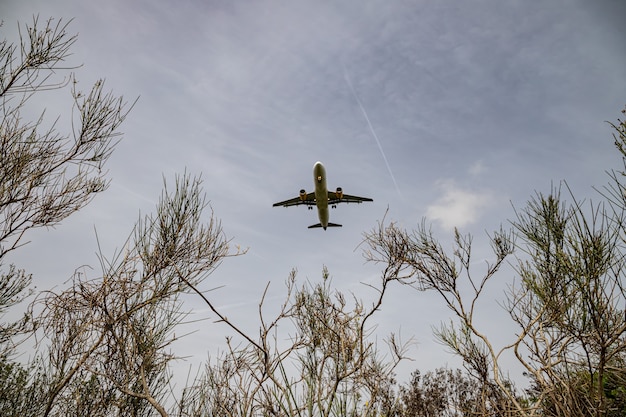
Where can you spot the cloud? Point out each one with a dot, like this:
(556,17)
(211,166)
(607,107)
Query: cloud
(457,207)
(477,168)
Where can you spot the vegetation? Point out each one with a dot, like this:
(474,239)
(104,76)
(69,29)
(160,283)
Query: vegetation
(45,176)
(567,305)
(104,344)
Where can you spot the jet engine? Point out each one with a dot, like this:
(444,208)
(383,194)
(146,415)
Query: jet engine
(303,195)
(339,193)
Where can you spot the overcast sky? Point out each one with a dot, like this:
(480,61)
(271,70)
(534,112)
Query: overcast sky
(451,110)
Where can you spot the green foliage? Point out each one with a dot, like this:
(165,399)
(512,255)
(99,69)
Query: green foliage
(13,289)
(574,298)
(445,393)
(568,305)
(21,389)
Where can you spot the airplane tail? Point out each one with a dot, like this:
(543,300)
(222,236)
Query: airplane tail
(313,226)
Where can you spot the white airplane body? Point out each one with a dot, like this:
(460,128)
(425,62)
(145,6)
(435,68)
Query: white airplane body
(322,198)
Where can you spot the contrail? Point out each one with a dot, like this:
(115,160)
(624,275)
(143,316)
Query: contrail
(369,124)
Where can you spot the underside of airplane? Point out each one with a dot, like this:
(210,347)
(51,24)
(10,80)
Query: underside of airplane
(321,198)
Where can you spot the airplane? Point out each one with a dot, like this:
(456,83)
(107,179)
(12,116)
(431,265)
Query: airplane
(321,198)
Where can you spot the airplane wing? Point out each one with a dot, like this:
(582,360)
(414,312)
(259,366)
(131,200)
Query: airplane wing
(309,200)
(334,198)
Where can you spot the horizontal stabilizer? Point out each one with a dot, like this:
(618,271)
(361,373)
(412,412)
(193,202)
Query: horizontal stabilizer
(313,226)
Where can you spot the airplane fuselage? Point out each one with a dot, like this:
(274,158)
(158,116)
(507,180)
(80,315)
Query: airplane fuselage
(321,193)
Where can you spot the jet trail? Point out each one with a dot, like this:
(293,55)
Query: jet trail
(369,124)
